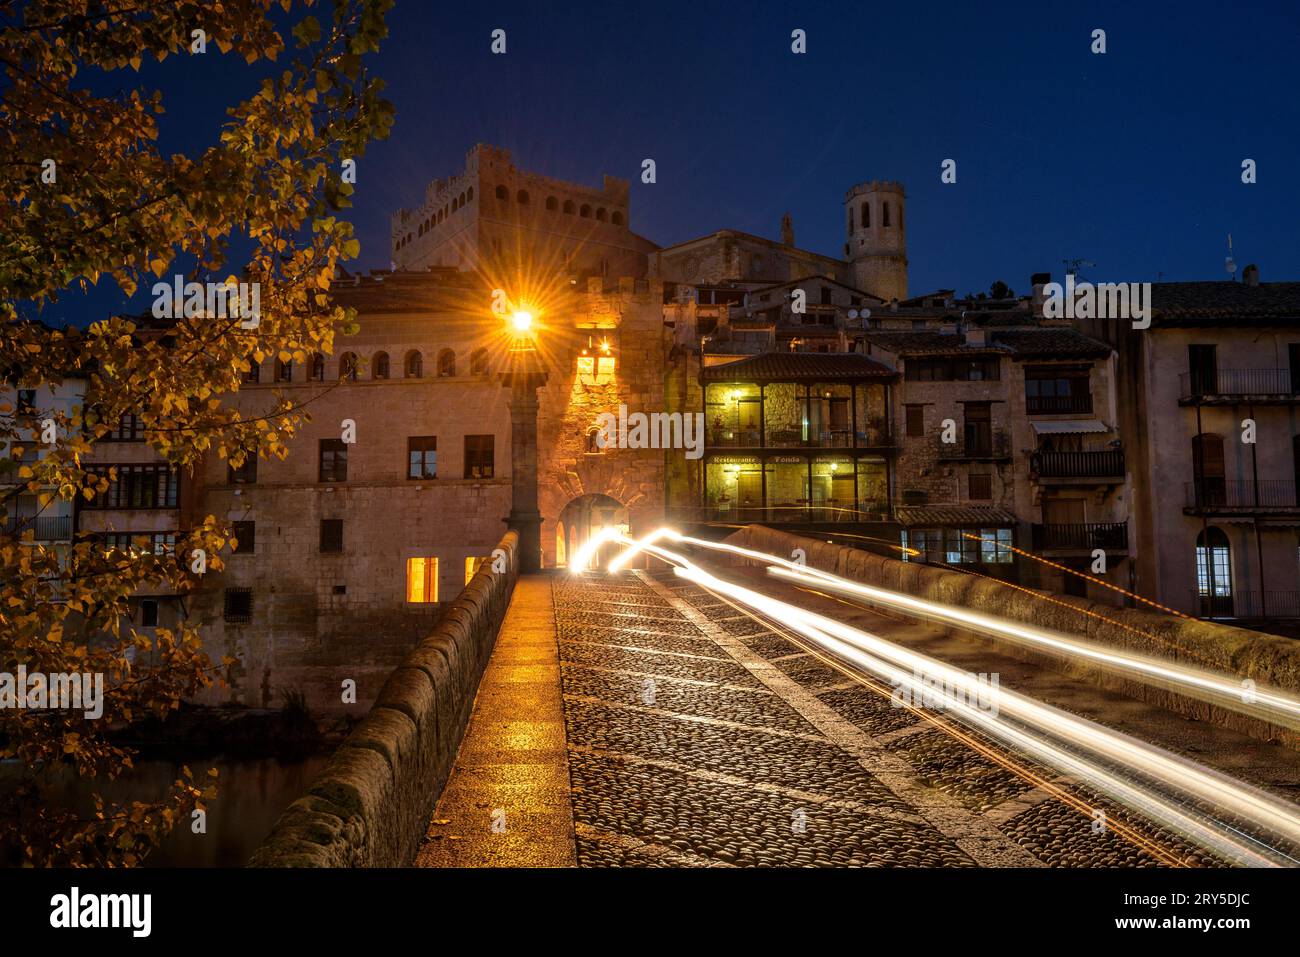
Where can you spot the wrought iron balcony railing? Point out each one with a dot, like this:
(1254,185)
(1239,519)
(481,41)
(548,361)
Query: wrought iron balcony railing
(1248,604)
(1219,495)
(1098,463)
(1082,535)
(44,528)
(1240,382)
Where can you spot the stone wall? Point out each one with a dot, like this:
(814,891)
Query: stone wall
(1268,660)
(371,804)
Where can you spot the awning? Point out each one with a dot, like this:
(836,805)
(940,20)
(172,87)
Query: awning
(1069,426)
(916,516)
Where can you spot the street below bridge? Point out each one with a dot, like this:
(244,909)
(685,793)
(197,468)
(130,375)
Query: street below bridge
(642,720)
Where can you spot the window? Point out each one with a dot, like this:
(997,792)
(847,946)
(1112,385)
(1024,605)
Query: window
(379,366)
(915,420)
(446,364)
(283,370)
(348,366)
(331,534)
(137,486)
(238,605)
(246,537)
(1203,365)
(333,460)
(502,193)
(521,197)
(316,370)
(866,215)
(884,215)
(149,613)
(245,473)
(254,371)
(1214,572)
(600,214)
(414,364)
(479,456)
(1054,390)
(128,429)
(616,218)
(568,206)
(978,428)
(584,211)
(1208,470)
(422,457)
(26,401)
(478,364)
(472,564)
(422,580)
(950,370)
(826,295)
(1293,356)
(979,487)
(552,204)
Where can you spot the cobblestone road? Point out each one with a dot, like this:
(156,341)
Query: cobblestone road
(697,736)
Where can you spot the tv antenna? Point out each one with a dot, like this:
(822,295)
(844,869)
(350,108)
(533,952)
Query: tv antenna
(1230,264)
(1072,266)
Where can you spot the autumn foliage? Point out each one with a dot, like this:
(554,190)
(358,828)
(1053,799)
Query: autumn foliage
(120,209)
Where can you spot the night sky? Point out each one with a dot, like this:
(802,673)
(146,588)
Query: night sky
(1131,159)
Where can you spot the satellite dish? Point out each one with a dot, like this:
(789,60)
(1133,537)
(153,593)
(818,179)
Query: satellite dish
(1230,264)
(853,314)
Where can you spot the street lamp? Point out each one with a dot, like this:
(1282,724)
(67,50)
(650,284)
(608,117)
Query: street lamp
(526,374)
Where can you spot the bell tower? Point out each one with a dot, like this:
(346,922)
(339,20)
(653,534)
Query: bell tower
(877,246)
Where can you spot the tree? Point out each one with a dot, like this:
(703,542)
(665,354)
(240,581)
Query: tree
(89,197)
(1000,290)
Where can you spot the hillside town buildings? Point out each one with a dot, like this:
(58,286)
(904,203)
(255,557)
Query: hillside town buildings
(1081,456)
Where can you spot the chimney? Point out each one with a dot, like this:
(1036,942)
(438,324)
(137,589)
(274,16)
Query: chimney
(975,336)
(1250,275)
(1038,280)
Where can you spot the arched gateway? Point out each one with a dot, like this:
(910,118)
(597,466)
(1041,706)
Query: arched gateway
(584,517)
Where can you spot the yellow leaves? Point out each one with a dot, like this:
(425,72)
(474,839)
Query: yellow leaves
(158,267)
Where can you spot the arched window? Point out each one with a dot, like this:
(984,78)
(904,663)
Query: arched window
(283,370)
(460,201)
(585,211)
(379,366)
(521,197)
(866,215)
(1207,470)
(600,214)
(414,364)
(478,362)
(1214,573)
(254,372)
(592,446)
(884,215)
(616,218)
(348,366)
(446,364)
(850,220)
(503,194)
(552,204)
(469,195)
(316,368)
(568,206)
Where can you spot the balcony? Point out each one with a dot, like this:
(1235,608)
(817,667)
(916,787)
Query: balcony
(1090,467)
(1058,404)
(1250,604)
(872,437)
(44,528)
(1226,386)
(1082,537)
(976,447)
(822,512)
(1219,497)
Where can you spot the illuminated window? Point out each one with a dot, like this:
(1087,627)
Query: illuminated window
(422,580)
(586,365)
(472,564)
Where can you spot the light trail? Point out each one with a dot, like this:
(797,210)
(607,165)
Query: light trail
(1223,691)
(916,673)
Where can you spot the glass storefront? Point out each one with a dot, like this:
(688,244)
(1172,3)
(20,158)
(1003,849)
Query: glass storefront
(796,488)
(835,415)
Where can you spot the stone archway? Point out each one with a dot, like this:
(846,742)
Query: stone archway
(585,516)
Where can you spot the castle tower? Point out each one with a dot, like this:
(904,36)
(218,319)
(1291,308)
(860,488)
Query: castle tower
(877,247)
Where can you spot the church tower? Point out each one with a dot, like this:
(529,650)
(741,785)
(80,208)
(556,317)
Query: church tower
(877,248)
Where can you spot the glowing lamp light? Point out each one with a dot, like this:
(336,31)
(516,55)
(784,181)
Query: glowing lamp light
(522,321)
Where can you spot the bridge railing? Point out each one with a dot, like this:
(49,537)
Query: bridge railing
(371,804)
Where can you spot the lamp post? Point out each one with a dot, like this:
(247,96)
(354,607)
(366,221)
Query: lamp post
(525,376)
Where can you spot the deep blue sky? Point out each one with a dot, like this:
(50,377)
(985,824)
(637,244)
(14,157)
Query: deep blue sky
(1129,159)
